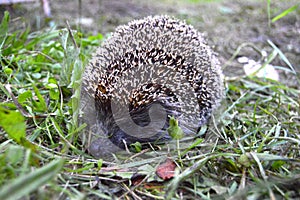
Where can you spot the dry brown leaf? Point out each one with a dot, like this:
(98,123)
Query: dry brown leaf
(166,170)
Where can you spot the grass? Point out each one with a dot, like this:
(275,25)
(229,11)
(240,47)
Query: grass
(281,15)
(251,152)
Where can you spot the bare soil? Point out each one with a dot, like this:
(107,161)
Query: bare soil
(227,24)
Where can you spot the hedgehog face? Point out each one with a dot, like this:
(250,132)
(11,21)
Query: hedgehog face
(147,71)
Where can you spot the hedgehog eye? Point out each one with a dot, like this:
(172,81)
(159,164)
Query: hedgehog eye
(102,89)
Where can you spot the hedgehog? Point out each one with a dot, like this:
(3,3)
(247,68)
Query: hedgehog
(146,72)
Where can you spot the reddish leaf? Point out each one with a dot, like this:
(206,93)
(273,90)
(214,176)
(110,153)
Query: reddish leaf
(166,170)
(137,179)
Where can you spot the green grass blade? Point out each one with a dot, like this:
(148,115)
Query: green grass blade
(4,26)
(282,56)
(284,13)
(269,12)
(41,104)
(25,184)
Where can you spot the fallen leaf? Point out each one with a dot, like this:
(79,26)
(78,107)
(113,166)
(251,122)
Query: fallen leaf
(252,67)
(166,170)
(137,179)
(219,189)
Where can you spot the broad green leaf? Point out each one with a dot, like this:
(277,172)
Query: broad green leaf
(28,183)
(24,96)
(8,71)
(54,94)
(15,154)
(137,146)
(174,130)
(41,104)
(277,164)
(36,75)
(99,164)
(13,123)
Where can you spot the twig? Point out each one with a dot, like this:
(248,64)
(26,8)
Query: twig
(131,192)
(71,34)
(19,106)
(41,53)
(138,154)
(46,8)
(151,196)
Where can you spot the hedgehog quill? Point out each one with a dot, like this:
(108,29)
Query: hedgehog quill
(146,72)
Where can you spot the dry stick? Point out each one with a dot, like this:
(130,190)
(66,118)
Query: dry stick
(71,34)
(133,188)
(19,106)
(138,154)
(131,192)
(5,2)
(126,147)
(151,196)
(46,8)
(34,53)
(243,180)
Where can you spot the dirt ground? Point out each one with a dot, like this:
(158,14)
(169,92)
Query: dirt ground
(227,24)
